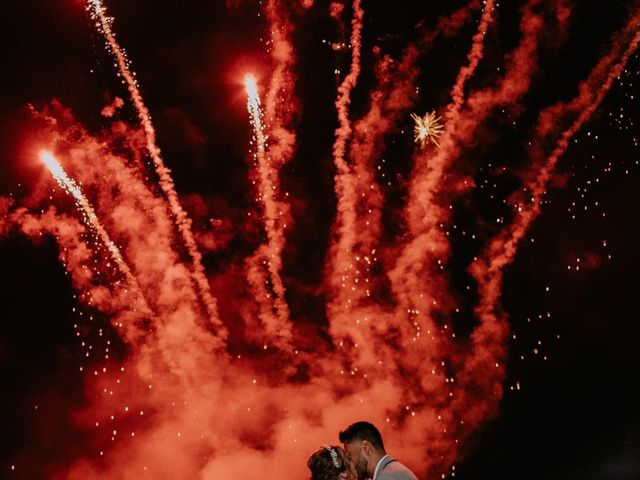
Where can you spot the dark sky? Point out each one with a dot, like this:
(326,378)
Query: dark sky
(575,414)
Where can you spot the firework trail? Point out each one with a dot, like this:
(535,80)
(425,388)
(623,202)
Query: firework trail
(366,324)
(139,219)
(418,280)
(475,55)
(396,91)
(426,210)
(417,292)
(280,108)
(78,258)
(488,269)
(417,340)
(451,25)
(103,24)
(70,186)
(276,323)
(393,97)
(501,250)
(280,103)
(344,276)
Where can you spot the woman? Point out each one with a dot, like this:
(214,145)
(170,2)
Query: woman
(330,463)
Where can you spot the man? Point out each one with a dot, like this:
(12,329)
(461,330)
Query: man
(364,448)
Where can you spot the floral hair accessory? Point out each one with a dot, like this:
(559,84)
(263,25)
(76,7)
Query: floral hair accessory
(334,455)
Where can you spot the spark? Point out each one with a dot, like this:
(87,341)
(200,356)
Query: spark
(252,89)
(270,291)
(89,214)
(427,128)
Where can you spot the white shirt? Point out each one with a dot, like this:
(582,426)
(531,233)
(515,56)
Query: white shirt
(375,472)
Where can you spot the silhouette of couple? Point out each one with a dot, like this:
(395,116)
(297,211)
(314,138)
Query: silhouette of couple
(362,457)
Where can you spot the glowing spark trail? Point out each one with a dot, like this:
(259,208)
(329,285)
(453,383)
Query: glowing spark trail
(344,273)
(103,24)
(427,128)
(389,102)
(91,218)
(475,55)
(423,212)
(280,102)
(280,107)
(276,325)
(592,92)
(488,269)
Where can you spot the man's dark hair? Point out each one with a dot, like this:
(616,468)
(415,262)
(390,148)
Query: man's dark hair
(362,431)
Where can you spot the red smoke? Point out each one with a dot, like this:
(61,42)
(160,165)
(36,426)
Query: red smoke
(181,404)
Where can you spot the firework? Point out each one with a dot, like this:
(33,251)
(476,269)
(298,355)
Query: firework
(276,323)
(103,24)
(427,128)
(193,403)
(345,275)
(90,217)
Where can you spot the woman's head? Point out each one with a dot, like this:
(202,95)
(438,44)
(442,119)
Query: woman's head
(329,463)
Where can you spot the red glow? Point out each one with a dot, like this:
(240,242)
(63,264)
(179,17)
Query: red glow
(185,403)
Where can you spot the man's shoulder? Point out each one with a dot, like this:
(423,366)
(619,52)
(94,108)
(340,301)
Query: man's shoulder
(394,470)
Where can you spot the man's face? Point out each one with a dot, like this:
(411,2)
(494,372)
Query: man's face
(359,457)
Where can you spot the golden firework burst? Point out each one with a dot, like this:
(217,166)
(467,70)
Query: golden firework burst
(427,128)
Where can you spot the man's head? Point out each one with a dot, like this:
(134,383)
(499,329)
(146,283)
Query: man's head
(363,445)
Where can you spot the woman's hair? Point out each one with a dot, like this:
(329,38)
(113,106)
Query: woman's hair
(327,463)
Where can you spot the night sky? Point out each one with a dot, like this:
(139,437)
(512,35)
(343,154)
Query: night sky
(570,406)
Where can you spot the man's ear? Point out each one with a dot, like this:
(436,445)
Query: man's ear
(367,447)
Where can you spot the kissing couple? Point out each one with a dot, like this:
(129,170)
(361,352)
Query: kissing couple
(361,457)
